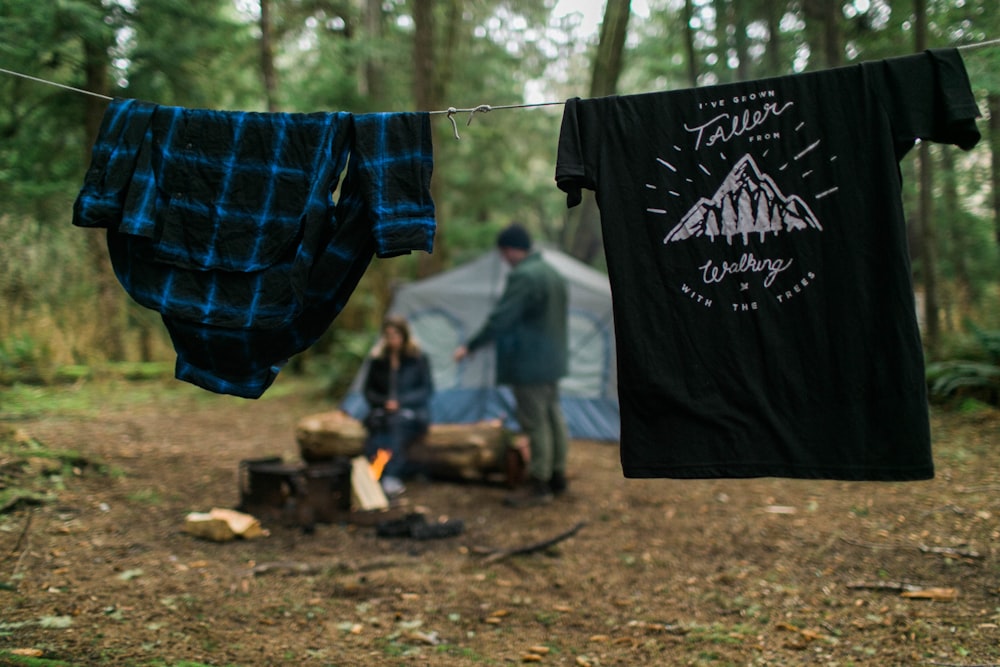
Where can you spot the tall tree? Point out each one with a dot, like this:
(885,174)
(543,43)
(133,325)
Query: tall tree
(110,306)
(373,74)
(267,70)
(993,103)
(611,48)
(957,241)
(584,224)
(927,246)
(431,68)
(738,27)
(691,55)
(772,17)
(823,22)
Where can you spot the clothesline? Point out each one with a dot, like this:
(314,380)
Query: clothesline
(450,111)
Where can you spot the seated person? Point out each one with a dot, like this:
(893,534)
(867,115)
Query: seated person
(398,390)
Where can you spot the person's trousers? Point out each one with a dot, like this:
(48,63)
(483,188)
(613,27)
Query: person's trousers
(540,416)
(395,434)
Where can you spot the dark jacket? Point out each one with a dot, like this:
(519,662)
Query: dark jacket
(413,385)
(529,325)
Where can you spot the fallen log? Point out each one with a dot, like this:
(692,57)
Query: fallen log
(329,435)
(469,452)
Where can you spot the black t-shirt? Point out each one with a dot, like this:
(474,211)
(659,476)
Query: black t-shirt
(756,247)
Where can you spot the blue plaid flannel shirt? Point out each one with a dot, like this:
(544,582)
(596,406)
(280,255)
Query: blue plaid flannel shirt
(225,223)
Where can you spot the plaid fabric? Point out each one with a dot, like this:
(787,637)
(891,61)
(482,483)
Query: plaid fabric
(224,222)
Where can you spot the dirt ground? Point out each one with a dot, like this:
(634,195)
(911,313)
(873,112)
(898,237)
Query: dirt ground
(663,572)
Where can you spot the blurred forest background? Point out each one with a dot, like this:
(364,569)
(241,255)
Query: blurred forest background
(61,307)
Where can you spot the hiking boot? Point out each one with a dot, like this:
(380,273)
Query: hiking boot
(535,492)
(558,484)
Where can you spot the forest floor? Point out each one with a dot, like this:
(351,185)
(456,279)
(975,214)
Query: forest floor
(96,569)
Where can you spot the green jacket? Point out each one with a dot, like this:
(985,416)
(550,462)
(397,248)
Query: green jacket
(529,325)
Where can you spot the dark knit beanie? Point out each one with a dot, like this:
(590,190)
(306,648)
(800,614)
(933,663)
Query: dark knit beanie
(515,236)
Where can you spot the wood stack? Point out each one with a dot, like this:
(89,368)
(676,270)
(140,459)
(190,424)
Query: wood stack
(329,435)
(471,452)
(335,480)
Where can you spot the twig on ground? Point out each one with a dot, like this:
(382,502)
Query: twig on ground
(25,539)
(950,551)
(291,567)
(955,509)
(17,499)
(923,548)
(499,554)
(287,567)
(20,538)
(895,586)
(979,489)
(872,545)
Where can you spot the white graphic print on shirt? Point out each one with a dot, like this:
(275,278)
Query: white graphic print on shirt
(748,208)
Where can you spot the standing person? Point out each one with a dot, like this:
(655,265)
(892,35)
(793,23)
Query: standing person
(529,326)
(398,390)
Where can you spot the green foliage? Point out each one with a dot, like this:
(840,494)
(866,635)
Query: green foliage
(338,357)
(18,355)
(195,53)
(15,660)
(33,473)
(206,53)
(976,377)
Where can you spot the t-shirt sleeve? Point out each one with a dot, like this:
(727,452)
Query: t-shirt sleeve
(574,168)
(926,96)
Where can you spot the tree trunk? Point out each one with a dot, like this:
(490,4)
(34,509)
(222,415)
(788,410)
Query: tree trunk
(950,214)
(993,102)
(584,222)
(719,7)
(775,62)
(372,80)
(423,55)
(692,56)
(429,93)
(823,23)
(110,313)
(611,48)
(832,33)
(267,56)
(737,19)
(928,251)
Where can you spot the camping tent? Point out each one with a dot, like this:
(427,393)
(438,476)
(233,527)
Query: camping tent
(445,309)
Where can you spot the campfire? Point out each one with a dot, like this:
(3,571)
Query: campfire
(382,457)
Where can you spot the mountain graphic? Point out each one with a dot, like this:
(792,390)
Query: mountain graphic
(748,202)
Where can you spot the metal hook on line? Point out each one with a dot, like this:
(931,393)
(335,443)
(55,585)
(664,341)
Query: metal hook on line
(451,116)
(482,108)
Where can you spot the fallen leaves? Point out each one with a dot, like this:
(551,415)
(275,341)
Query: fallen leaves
(936,594)
(495,617)
(28,652)
(912,591)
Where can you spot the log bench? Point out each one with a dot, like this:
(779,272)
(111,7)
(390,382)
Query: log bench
(469,452)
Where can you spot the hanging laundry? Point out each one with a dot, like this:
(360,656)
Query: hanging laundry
(756,246)
(225,223)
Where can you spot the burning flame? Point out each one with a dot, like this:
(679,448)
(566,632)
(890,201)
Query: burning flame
(378,465)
